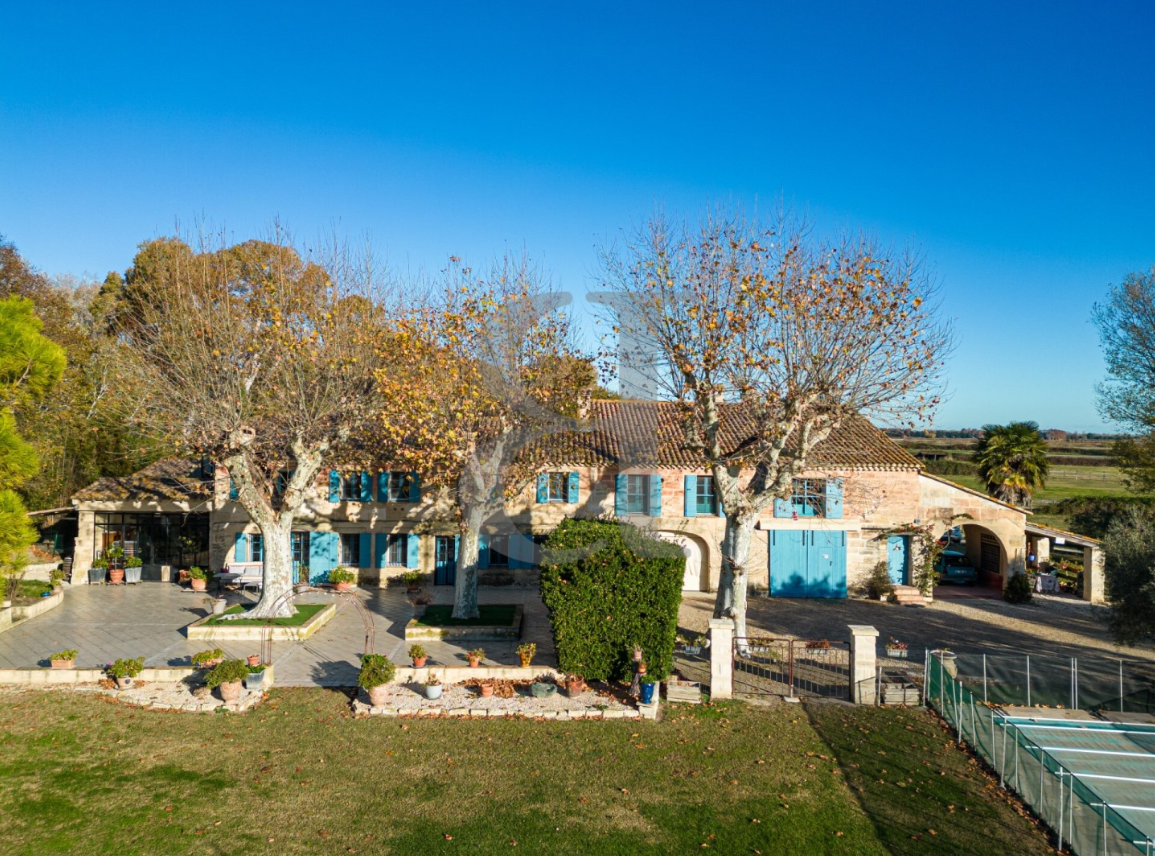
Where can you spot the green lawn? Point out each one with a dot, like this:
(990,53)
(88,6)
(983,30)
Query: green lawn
(304,612)
(80,775)
(441,615)
(32,588)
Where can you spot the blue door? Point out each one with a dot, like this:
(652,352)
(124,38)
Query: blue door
(807,563)
(898,559)
(445,566)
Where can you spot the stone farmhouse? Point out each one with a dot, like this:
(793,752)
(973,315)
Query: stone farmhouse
(824,541)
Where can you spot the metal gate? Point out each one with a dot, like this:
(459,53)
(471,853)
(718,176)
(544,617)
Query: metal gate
(792,667)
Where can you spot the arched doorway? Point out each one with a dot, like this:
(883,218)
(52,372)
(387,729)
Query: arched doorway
(692,578)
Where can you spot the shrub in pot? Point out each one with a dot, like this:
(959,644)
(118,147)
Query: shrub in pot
(475,657)
(124,671)
(525,652)
(132,566)
(343,579)
(254,659)
(377,671)
(65,659)
(648,685)
(198,578)
(116,576)
(575,685)
(255,679)
(418,655)
(433,687)
(411,579)
(207,659)
(98,571)
(227,677)
(420,602)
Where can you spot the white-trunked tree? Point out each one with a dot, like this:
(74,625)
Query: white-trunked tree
(259,360)
(763,324)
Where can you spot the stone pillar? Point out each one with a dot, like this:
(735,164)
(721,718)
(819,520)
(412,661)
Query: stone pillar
(1043,548)
(863,663)
(1094,575)
(721,658)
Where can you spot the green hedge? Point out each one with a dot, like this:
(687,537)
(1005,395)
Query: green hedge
(608,587)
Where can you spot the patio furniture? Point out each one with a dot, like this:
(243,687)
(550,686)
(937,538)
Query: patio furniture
(1047,583)
(246,574)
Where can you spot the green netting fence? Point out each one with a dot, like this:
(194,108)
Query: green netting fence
(1071,803)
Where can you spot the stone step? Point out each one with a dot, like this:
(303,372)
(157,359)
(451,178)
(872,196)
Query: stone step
(909,595)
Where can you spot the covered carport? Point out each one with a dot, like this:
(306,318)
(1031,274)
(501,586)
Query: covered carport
(1041,541)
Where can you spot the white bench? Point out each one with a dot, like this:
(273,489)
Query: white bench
(246,574)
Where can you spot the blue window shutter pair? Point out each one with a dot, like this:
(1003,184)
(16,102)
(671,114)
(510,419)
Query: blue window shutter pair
(366,549)
(573,489)
(691,489)
(414,487)
(334,486)
(234,494)
(834,499)
(383,487)
(543,487)
(655,495)
(482,550)
(412,555)
(381,554)
(241,548)
(620,500)
(366,488)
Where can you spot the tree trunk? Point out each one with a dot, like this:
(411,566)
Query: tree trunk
(278,572)
(732,582)
(465,589)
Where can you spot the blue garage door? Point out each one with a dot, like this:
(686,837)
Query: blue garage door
(807,563)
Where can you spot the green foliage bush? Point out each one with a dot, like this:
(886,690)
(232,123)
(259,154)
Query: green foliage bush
(341,575)
(376,670)
(610,587)
(125,668)
(878,584)
(1018,590)
(1129,551)
(230,671)
(1093,515)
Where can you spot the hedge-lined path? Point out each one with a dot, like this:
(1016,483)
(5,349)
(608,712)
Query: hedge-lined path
(105,623)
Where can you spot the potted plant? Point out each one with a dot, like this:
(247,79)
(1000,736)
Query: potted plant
(228,677)
(254,659)
(648,684)
(692,645)
(57,580)
(420,602)
(217,605)
(198,578)
(475,657)
(418,655)
(376,673)
(542,689)
(132,566)
(207,659)
(818,646)
(255,679)
(412,579)
(896,649)
(124,671)
(343,579)
(575,685)
(99,570)
(525,652)
(486,688)
(433,687)
(65,659)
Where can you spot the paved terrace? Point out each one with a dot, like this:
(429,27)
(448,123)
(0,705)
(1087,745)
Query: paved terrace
(104,623)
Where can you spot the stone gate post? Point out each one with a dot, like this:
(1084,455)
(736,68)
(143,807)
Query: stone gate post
(721,658)
(863,664)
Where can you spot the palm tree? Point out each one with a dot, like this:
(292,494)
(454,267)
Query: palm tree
(1012,460)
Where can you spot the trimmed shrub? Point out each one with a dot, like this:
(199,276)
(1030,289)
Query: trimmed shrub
(610,587)
(878,584)
(1018,590)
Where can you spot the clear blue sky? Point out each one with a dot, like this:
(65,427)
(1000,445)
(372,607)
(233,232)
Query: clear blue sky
(1013,143)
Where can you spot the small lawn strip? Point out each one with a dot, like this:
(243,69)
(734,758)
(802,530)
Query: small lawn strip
(304,612)
(441,615)
(32,588)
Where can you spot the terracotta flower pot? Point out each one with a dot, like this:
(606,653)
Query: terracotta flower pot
(575,687)
(199,585)
(64,664)
(230,690)
(254,659)
(116,576)
(418,662)
(641,668)
(474,662)
(378,695)
(525,661)
(346,586)
(486,690)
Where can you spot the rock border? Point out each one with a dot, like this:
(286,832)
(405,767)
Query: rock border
(203,631)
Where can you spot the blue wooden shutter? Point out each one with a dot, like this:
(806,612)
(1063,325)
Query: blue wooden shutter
(482,550)
(412,550)
(620,483)
(543,487)
(241,548)
(414,487)
(782,508)
(366,549)
(381,555)
(573,489)
(366,488)
(517,550)
(834,499)
(383,486)
(234,494)
(324,550)
(691,489)
(334,486)
(655,495)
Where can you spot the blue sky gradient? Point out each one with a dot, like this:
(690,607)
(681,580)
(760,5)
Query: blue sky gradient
(1011,143)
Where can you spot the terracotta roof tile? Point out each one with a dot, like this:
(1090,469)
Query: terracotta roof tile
(167,480)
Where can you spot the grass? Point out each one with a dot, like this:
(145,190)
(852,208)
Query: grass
(441,615)
(32,588)
(304,612)
(83,776)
